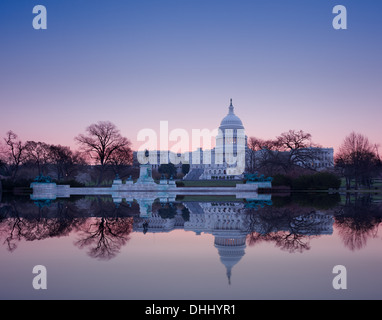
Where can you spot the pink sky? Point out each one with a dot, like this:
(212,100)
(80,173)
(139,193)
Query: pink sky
(284,66)
(266,122)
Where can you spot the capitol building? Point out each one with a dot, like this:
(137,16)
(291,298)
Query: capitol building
(229,159)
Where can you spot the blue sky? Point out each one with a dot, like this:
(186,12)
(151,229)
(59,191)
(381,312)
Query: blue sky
(138,62)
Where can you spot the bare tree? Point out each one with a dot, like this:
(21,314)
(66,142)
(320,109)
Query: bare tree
(101,142)
(121,159)
(290,150)
(15,151)
(3,165)
(254,145)
(64,160)
(36,154)
(357,159)
(298,147)
(271,158)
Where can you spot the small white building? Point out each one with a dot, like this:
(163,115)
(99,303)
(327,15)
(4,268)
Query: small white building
(323,158)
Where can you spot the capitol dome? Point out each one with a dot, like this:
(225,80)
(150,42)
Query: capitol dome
(231,121)
(231,250)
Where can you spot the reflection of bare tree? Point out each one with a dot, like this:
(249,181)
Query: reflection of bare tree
(106,233)
(289,228)
(105,236)
(288,241)
(354,233)
(26,221)
(357,222)
(292,242)
(12,225)
(11,229)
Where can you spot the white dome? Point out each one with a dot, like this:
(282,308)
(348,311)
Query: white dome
(230,254)
(231,121)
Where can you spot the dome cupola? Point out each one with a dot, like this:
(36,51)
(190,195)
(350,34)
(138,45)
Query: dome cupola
(231,121)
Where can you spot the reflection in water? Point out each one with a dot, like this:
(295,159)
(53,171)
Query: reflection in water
(106,232)
(358,220)
(100,225)
(104,236)
(290,229)
(21,220)
(102,228)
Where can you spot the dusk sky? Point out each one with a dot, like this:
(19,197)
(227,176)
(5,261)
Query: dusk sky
(135,63)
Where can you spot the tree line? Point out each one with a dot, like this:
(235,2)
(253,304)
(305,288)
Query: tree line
(292,155)
(358,161)
(102,145)
(104,228)
(290,151)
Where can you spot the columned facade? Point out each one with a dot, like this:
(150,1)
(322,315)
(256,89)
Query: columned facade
(228,156)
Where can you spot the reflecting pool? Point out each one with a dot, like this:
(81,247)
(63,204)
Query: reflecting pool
(194,247)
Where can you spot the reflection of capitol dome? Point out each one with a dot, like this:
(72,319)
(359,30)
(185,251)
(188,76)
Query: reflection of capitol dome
(231,121)
(231,250)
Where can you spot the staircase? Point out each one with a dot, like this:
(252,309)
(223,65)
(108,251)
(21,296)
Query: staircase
(194,174)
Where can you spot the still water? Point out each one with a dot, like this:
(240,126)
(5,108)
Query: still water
(192,248)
